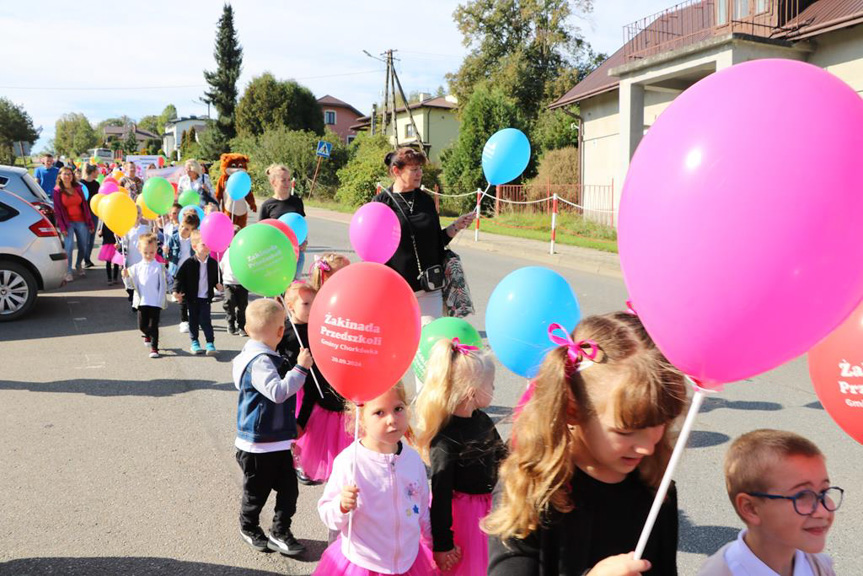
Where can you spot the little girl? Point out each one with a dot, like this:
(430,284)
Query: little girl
(324,267)
(463,447)
(147,281)
(388,497)
(320,419)
(108,252)
(587,452)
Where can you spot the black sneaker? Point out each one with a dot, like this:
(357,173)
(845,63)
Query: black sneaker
(256,538)
(285,544)
(233,330)
(88,264)
(305,480)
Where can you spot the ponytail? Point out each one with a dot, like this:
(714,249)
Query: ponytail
(435,402)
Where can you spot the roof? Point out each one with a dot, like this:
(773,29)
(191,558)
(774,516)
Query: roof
(333,101)
(820,17)
(203,119)
(438,102)
(122,130)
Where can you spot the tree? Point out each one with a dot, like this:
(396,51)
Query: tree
(223,81)
(188,141)
(554,129)
(269,103)
(357,180)
(151,123)
(212,143)
(15,127)
(168,114)
(130,142)
(74,135)
(522,46)
(487,111)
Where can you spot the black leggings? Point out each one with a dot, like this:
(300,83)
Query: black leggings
(148,323)
(116,275)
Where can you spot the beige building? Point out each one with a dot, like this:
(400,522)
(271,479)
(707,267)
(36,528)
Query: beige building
(436,121)
(666,53)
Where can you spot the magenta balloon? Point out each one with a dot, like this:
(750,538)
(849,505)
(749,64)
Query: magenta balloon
(375,232)
(739,226)
(108,187)
(217,231)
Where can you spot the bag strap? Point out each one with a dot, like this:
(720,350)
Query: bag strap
(411,230)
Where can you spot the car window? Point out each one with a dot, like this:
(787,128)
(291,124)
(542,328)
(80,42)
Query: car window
(6,212)
(18,187)
(3,181)
(35,189)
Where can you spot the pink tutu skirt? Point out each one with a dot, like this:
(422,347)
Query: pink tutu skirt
(106,254)
(325,437)
(299,397)
(118,259)
(467,512)
(334,563)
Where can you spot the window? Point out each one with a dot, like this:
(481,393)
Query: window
(409,131)
(721,12)
(351,138)
(741,9)
(329,117)
(761,6)
(7,212)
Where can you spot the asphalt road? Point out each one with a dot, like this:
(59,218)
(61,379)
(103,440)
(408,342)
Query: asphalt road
(113,463)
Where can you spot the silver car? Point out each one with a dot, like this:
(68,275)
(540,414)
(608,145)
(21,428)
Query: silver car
(31,256)
(18,181)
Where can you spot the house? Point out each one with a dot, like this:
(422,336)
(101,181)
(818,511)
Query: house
(120,133)
(436,120)
(339,116)
(666,53)
(174,130)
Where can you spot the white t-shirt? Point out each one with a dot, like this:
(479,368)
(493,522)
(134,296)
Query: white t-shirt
(203,287)
(741,561)
(185,250)
(227,274)
(148,279)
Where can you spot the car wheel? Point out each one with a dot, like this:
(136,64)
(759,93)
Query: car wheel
(18,289)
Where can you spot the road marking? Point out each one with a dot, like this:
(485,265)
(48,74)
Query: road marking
(78,319)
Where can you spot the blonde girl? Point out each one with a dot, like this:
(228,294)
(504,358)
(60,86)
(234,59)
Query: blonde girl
(325,266)
(387,497)
(283,201)
(587,452)
(460,443)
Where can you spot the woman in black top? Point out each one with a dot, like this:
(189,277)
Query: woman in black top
(88,179)
(283,201)
(418,218)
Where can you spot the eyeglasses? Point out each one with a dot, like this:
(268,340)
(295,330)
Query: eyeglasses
(806,501)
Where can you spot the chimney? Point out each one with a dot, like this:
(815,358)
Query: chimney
(423,96)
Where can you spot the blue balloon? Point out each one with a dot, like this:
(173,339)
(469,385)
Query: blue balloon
(194,207)
(239,184)
(519,312)
(296,223)
(505,156)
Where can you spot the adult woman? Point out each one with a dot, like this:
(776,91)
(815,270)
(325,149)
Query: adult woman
(72,213)
(283,202)
(195,179)
(423,240)
(130,180)
(88,179)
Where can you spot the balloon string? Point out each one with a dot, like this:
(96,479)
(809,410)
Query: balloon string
(354,469)
(312,369)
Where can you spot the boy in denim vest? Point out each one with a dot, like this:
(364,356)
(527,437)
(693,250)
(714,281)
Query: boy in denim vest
(266,428)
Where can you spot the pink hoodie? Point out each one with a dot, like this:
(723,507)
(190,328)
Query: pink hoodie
(392,511)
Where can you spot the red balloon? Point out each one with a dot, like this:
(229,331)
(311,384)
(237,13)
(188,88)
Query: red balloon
(836,370)
(364,340)
(174,184)
(286,230)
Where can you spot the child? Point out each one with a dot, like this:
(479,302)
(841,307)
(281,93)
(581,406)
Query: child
(324,267)
(171,219)
(778,485)
(266,428)
(147,279)
(587,452)
(130,254)
(180,250)
(463,448)
(108,251)
(320,420)
(388,499)
(236,296)
(194,284)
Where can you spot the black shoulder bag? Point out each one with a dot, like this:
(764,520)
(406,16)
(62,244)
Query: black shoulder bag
(431,278)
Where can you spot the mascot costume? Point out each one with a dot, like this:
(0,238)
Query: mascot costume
(237,210)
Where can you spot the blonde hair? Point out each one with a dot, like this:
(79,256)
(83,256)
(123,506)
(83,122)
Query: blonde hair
(147,239)
(195,237)
(752,456)
(630,371)
(263,313)
(295,289)
(355,411)
(194,165)
(273,168)
(318,275)
(450,376)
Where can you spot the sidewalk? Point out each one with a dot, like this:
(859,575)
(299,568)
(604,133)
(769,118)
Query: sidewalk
(583,259)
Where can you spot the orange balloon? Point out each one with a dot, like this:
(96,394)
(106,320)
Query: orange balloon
(836,370)
(118,174)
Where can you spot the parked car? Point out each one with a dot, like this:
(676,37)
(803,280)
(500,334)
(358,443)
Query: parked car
(19,181)
(31,256)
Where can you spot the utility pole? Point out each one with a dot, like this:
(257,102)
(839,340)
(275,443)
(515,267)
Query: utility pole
(391,84)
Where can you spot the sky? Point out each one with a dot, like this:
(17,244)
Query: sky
(134,60)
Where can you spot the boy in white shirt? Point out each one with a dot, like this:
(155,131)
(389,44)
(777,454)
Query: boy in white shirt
(148,282)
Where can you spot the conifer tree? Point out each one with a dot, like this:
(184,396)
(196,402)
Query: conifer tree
(223,81)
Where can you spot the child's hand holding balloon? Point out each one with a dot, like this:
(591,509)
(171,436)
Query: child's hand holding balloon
(349,499)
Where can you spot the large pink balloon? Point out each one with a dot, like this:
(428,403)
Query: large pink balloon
(375,232)
(739,223)
(217,231)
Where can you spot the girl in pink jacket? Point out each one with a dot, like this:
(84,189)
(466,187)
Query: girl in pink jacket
(388,498)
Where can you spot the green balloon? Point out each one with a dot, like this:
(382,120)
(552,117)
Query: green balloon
(101,177)
(188,198)
(262,259)
(446,327)
(158,194)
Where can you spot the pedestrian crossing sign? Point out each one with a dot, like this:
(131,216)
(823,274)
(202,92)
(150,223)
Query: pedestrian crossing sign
(324,149)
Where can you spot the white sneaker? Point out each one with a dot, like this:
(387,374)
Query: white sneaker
(184,327)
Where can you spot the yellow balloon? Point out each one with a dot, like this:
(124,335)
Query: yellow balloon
(118,174)
(119,213)
(145,212)
(93,160)
(123,191)
(94,203)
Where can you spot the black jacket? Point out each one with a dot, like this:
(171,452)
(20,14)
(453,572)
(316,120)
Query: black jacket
(186,278)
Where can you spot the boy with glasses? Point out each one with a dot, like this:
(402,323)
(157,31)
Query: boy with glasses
(778,484)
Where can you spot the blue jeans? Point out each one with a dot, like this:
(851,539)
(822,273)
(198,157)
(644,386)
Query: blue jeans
(91,240)
(199,316)
(301,261)
(82,234)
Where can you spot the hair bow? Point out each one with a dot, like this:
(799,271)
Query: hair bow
(575,349)
(322,265)
(630,308)
(465,349)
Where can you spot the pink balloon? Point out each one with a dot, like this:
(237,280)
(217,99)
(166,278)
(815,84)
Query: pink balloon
(217,231)
(108,187)
(739,226)
(375,232)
